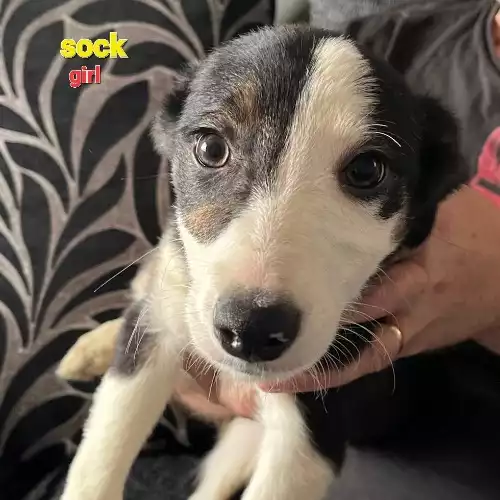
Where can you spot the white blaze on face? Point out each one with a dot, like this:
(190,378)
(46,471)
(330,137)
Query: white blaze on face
(301,235)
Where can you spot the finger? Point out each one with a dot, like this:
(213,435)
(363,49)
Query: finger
(378,355)
(236,399)
(395,292)
(195,399)
(240,399)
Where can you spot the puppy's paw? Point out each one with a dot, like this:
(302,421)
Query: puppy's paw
(203,496)
(73,494)
(87,496)
(92,354)
(200,496)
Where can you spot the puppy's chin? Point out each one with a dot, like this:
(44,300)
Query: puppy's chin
(281,369)
(242,371)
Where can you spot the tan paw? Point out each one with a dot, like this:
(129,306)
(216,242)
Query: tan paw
(92,354)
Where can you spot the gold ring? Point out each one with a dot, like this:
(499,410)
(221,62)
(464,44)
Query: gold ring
(399,335)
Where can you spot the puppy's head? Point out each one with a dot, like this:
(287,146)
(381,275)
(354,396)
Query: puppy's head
(299,165)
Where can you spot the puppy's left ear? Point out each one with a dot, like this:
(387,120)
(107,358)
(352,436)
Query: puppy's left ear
(163,127)
(442,168)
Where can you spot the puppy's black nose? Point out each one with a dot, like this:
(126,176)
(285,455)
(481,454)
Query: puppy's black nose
(256,326)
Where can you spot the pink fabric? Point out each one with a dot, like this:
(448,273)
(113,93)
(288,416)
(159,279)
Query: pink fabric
(487,179)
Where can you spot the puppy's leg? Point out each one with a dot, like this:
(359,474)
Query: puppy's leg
(92,354)
(288,466)
(135,390)
(231,463)
(126,406)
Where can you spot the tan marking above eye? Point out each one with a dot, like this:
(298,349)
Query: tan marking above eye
(204,221)
(244,100)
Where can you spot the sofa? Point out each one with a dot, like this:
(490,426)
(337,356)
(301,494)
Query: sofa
(83,197)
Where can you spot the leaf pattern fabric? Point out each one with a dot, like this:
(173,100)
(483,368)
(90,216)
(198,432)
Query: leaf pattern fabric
(82,195)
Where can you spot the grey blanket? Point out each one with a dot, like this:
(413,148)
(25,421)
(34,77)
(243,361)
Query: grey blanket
(336,14)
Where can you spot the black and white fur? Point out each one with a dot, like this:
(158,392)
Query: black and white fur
(296,105)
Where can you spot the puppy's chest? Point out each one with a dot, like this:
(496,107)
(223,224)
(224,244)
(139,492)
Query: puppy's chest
(363,412)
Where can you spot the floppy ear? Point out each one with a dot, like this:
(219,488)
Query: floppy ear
(442,169)
(163,126)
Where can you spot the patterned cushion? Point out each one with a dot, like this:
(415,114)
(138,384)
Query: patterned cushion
(82,195)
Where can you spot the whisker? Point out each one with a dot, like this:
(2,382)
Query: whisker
(146,330)
(333,346)
(386,352)
(141,315)
(362,304)
(343,337)
(340,348)
(388,136)
(214,381)
(126,267)
(369,318)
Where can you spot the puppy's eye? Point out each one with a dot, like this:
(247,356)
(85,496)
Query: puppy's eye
(211,150)
(365,172)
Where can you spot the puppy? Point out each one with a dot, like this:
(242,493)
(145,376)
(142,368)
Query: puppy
(300,164)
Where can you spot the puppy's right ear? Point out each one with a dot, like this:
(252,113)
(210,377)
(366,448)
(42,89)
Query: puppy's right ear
(163,127)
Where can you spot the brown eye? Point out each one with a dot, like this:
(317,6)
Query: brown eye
(365,172)
(211,150)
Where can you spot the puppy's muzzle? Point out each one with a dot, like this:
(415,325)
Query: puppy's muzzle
(256,326)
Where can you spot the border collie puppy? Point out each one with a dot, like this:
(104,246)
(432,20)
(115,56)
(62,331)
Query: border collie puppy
(299,165)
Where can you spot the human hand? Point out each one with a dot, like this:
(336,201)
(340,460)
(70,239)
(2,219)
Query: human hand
(211,397)
(447,292)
